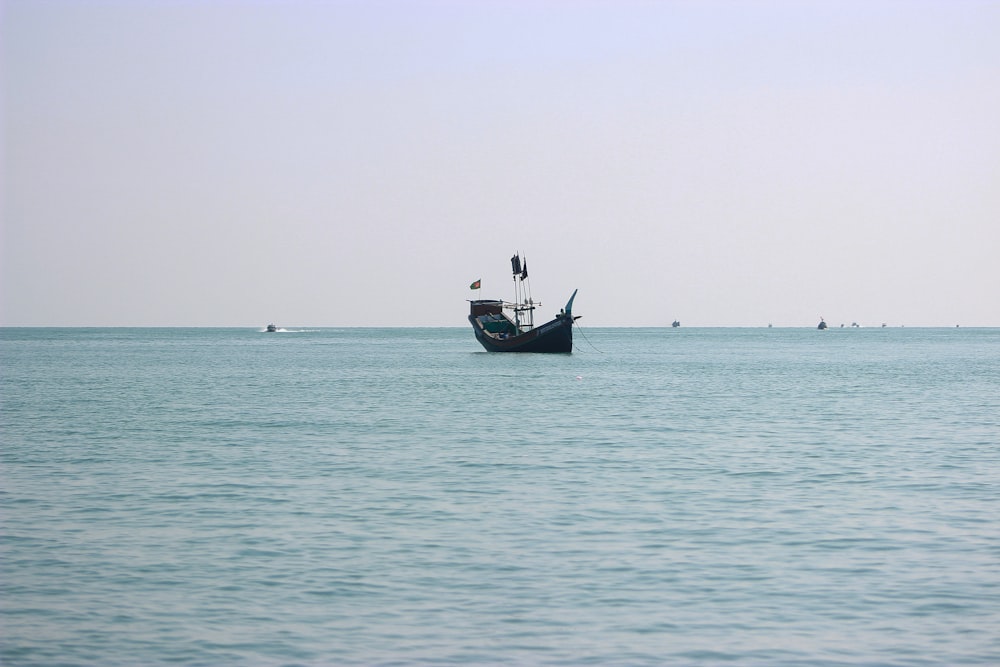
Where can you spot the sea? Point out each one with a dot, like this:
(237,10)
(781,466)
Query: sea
(351,496)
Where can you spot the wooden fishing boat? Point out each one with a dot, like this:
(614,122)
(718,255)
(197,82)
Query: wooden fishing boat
(502,326)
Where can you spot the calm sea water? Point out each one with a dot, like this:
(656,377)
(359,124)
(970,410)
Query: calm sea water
(401,497)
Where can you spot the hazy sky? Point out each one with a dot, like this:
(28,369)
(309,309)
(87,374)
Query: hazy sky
(340,163)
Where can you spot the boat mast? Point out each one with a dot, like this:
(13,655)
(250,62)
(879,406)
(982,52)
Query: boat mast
(515,267)
(530,303)
(522,293)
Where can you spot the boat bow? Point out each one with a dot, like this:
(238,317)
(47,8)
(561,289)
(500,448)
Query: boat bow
(569,305)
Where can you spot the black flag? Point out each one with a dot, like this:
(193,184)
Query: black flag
(524,272)
(515,264)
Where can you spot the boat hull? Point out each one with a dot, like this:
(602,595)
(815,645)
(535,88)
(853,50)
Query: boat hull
(555,336)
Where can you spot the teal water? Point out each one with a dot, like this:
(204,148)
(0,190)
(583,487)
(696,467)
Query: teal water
(401,497)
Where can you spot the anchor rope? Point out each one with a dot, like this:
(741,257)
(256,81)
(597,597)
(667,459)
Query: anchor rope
(580,329)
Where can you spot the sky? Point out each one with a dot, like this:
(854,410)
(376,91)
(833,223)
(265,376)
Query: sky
(360,163)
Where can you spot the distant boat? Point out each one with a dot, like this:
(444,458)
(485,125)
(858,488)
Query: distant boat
(822,324)
(676,323)
(502,326)
(271,328)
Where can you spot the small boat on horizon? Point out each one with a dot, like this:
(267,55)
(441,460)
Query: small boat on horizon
(271,328)
(502,326)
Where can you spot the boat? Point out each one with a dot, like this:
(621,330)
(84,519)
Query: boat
(675,323)
(502,326)
(271,328)
(822,324)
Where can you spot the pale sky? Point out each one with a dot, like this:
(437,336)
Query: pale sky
(360,163)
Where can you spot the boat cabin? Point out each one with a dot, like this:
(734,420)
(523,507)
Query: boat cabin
(491,317)
(486,307)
